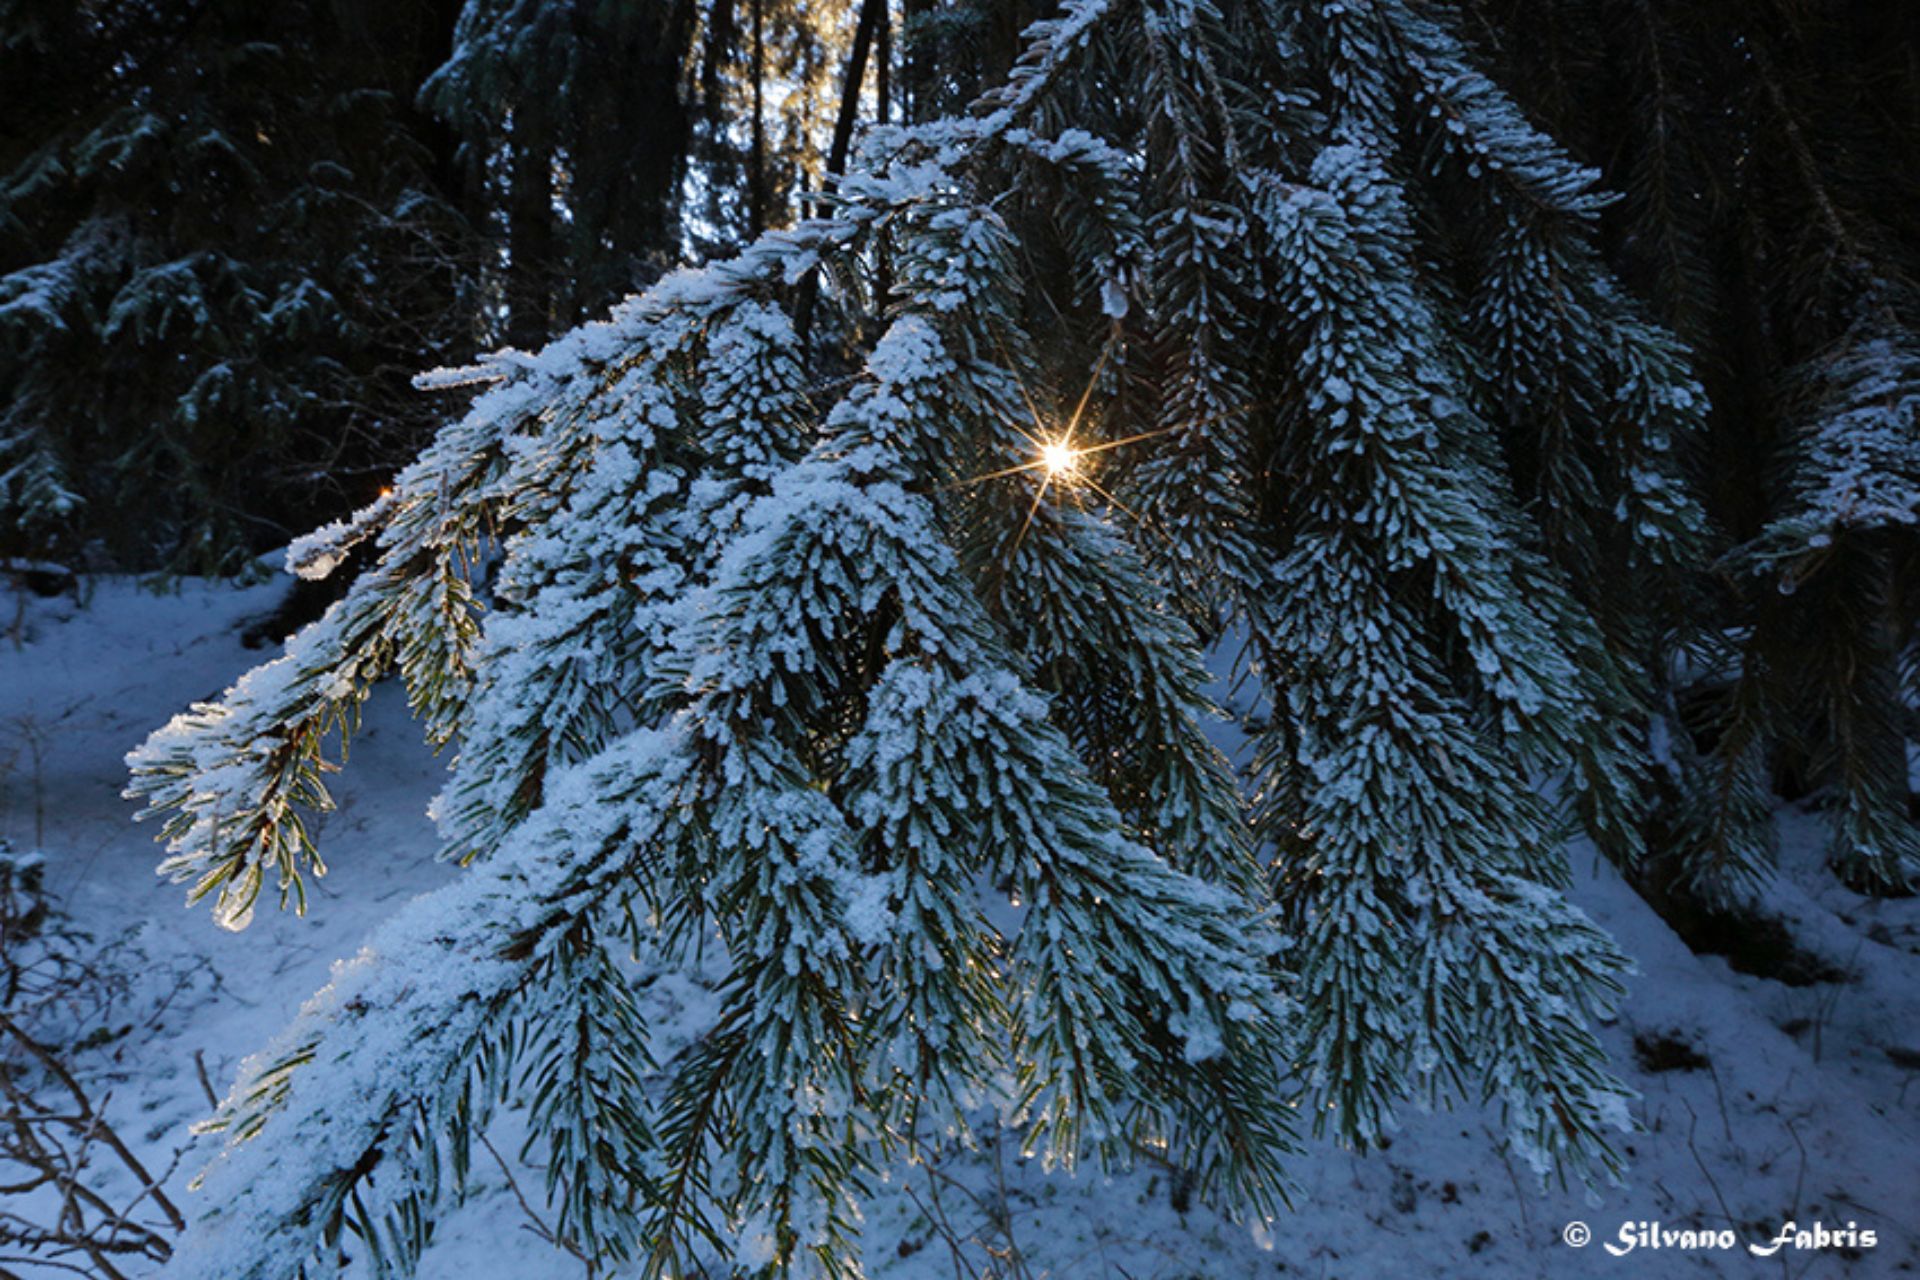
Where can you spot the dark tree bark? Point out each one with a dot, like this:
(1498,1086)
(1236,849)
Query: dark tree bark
(529,245)
(871,16)
(757,174)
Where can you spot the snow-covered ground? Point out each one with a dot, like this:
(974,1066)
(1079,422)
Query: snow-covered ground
(1762,1102)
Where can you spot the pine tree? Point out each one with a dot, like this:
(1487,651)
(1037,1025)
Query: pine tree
(772,89)
(574,128)
(875,656)
(1767,156)
(220,253)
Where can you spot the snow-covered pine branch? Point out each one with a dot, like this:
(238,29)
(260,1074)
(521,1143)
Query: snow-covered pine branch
(858,660)
(1836,546)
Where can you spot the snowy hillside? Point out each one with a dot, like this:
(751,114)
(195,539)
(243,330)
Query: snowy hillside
(1764,1099)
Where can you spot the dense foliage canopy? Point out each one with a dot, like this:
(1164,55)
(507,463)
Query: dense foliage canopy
(1520,396)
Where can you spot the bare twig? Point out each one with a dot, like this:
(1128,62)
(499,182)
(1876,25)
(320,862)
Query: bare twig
(936,1217)
(538,1225)
(1694,1124)
(54,983)
(206,1085)
(97,1127)
(1726,1125)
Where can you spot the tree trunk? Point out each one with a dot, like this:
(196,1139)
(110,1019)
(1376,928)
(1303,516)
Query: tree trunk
(870,17)
(757,174)
(529,240)
(871,12)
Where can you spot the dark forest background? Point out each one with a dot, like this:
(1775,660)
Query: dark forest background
(231,233)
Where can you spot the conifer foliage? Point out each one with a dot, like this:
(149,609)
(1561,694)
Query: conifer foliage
(573,130)
(220,252)
(874,660)
(1766,154)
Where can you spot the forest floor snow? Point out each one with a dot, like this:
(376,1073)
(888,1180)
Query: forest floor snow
(1761,1102)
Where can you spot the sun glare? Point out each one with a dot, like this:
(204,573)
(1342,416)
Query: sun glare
(1060,459)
